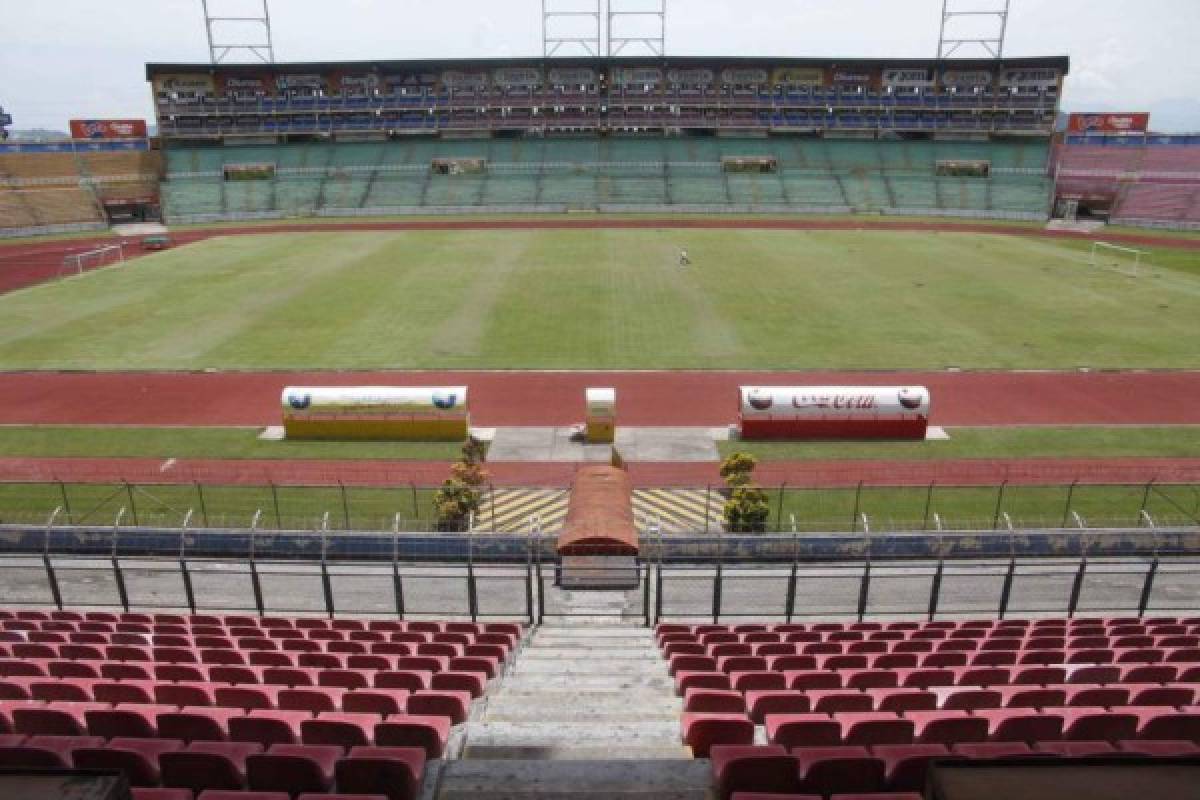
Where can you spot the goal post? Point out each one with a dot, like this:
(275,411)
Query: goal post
(1125,260)
(79,263)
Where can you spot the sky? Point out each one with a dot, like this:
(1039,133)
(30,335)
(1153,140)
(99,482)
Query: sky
(61,59)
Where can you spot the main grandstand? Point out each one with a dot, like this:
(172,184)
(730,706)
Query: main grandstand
(965,138)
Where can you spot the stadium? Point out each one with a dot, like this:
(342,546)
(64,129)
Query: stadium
(606,423)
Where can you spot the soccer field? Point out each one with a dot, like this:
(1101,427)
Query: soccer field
(610,299)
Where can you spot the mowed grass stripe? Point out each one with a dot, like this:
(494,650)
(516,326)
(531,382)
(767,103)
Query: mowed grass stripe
(612,299)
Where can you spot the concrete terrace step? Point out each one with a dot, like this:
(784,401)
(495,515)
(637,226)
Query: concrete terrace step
(677,779)
(622,683)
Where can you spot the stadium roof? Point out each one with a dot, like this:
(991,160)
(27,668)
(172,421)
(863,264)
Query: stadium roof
(1062,63)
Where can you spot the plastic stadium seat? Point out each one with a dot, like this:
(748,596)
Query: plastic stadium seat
(873,728)
(839,700)
(432,733)
(1160,748)
(946,727)
(812,679)
(1075,749)
(221,794)
(1084,723)
(900,700)
(454,705)
(410,679)
(376,701)
(137,758)
(207,765)
(131,720)
(830,770)
(59,719)
(293,768)
(738,768)
(247,697)
(395,772)
(1031,697)
(803,730)
(906,765)
(984,750)
(268,727)
(701,731)
(714,701)
(1165,723)
(160,794)
(1093,674)
(1021,725)
(1088,695)
(474,683)
(341,729)
(759,704)
(311,698)
(192,724)
(878,796)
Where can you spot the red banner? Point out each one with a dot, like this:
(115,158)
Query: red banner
(1136,122)
(108,129)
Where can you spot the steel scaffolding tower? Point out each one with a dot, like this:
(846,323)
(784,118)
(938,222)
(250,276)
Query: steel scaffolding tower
(975,24)
(232,26)
(637,24)
(573,25)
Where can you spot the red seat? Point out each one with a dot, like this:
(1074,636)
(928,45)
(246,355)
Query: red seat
(1088,723)
(946,727)
(376,701)
(404,679)
(830,770)
(341,729)
(1164,723)
(474,683)
(207,765)
(702,730)
(739,768)
(985,750)
(440,703)
(907,765)
(759,704)
(805,679)
(803,730)
(900,700)
(247,697)
(268,727)
(1021,725)
(196,724)
(873,727)
(293,768)
(130,720)
(409,730)
(687,679)
(311,698)
(839,700)
(1160,748)
(1075,749)
(394,772)
(714,701)
(58,719)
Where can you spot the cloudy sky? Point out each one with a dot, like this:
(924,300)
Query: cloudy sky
(81,58)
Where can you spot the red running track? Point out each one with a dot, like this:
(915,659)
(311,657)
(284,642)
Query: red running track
(967,472)
(24,264)
(556,398)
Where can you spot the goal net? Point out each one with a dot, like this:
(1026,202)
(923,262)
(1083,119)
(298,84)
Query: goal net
(79,263)
(1125,260)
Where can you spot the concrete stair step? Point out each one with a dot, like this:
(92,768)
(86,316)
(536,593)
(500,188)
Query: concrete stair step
(548,732)
(678,778)
(614,668)
(599,716)
(561,752)
(612,683)
(590,653)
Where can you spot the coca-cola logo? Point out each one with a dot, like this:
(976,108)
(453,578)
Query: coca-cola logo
(910,399)
(760,401)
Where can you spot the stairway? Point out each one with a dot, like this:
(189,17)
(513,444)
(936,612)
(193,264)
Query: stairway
(587,711)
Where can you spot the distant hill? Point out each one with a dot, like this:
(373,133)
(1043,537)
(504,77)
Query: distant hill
(36,135)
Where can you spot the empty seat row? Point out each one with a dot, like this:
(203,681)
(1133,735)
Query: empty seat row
(425,725)
(702,730)
(741,772)
(247,639)
(293,769)
(902,641)
(759,703)
(913,625)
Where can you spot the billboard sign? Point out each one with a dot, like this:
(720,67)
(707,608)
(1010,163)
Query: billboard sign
(799,76)
(108,129)
(743,76)
(1039,78)
(967,77)
(373,400)
(800,402)
(907,77)
(572,76)
(1129,122)
(517,77)
(633,76)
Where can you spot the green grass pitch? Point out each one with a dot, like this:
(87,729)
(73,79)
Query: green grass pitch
(611,299)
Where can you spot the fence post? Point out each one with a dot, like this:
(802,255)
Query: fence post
(62,487)
(541,593)
(928,506)
(1077,587)
(935,591)
(345,505)
(658,592)
(397,582)
(416,508)
(116,563)
(646,592)
(188,591)
(255,583)
(529,577)
(717,581)
(275,502)
(1006,588)
(707,506)
(864,590)
(790,611)
(133,506)
(203,509)
(1148,587)
(326,581)
(51,578)
(857,501)
(779,507)
(472,595)
(999,504)
(1067,508)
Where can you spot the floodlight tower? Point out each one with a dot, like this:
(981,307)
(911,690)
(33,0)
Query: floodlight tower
(573,26)
(244,28)
(639,25)
(978,25)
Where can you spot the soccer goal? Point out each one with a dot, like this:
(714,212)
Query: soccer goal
(1125,260)
(79,263)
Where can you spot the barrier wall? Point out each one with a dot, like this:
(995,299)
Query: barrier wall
(376,412)
(833,412)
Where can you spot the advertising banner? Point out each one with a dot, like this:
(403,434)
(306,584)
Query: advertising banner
(907,77)
(456,79)
(634,76)
(572,76)
(354,84)
(847,76)
(798,402)
(184,84)
(108,129)
(690,77)
(798,76)
(967,77)
(743,76)
(1039,78)
(1129,122)
(373,400)
(517,77)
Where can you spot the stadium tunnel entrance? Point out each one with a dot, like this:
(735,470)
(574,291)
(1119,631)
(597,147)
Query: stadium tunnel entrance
(598,543)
